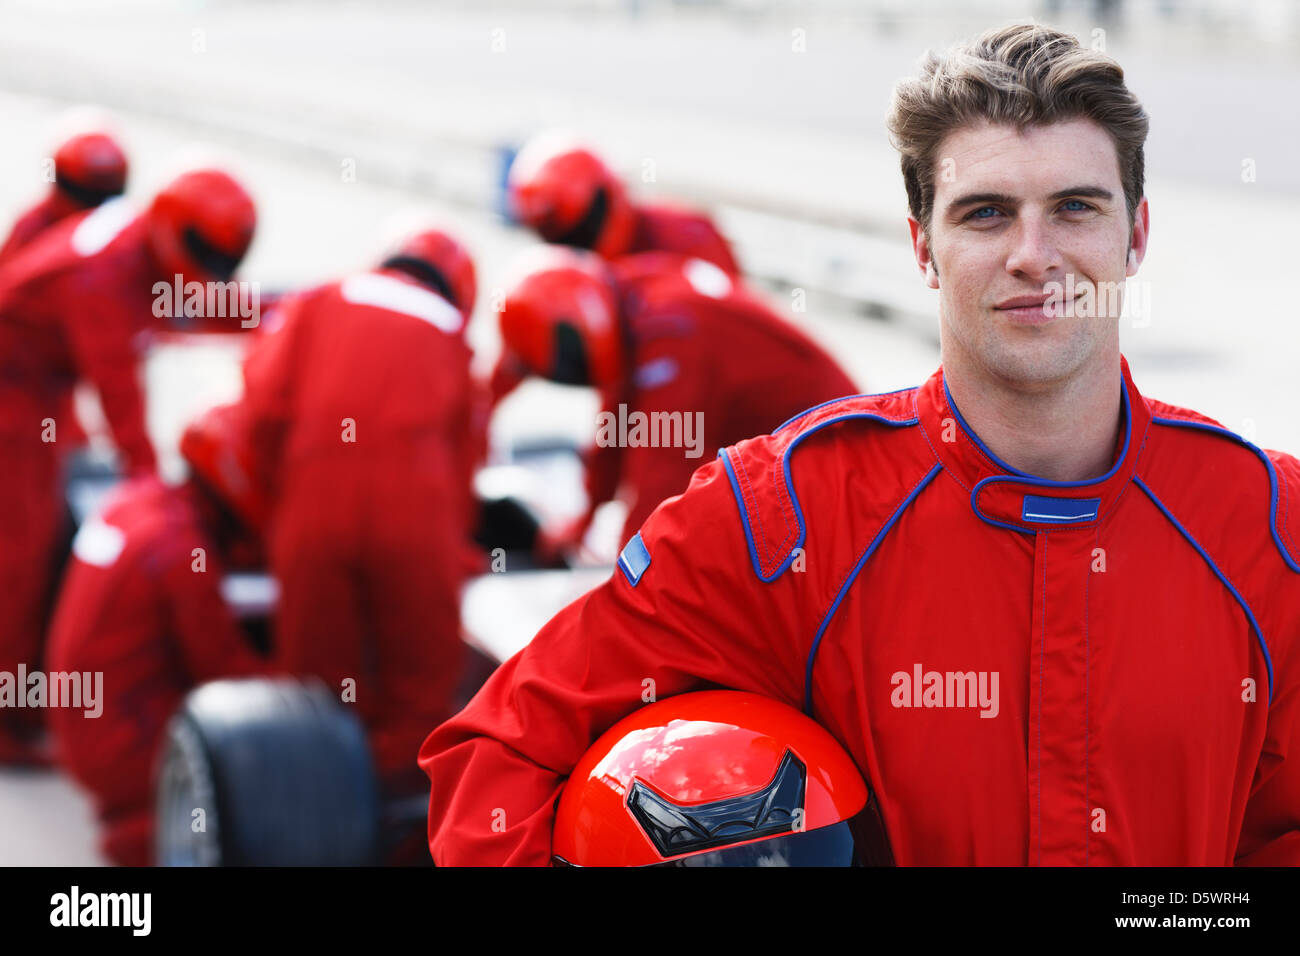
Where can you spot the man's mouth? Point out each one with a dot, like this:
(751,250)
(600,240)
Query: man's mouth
(1033,308)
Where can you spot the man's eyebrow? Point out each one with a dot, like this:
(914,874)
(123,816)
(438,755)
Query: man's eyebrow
(1092,192)
(1000,198)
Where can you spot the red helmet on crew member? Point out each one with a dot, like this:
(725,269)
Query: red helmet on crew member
(439,262)
(216,447)
(569,196)
(717,778)
(89,168)
(201,225)
(561,319)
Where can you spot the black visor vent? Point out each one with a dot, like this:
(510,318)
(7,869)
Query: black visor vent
(678,829)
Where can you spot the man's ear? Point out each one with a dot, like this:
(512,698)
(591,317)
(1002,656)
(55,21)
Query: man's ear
(1138,238)
(924,254)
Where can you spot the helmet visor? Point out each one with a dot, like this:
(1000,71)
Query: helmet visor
(211,260)
(826,846)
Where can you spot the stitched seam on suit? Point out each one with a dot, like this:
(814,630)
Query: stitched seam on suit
(835,592)
(1137,456)
(996,469)
(787,510)
(916,413)
(1087,670)
(1253,627)
(1042,651)
(1285,523)
(758,518)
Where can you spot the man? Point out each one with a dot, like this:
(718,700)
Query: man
(79,305)
(361,414)
(686,359)
(1052,621)
(568,195)
(141,605)
(89,169)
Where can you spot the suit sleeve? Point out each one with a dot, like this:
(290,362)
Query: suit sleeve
(1270,831)
(603,465)
(269,389)
(27,228)
(698,616)
(681,385)
(107,342)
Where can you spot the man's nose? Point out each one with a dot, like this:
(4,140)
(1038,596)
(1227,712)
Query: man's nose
(1033,253)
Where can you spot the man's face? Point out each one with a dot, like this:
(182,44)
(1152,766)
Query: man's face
(1023,223)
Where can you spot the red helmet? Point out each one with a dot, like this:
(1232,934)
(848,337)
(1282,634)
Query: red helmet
(217,449)
(568,195)
(436,260)
(90,167)
(201,225)
(561,319)
(716,778)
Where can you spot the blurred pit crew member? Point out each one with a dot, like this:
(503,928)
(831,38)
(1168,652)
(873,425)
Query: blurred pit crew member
(568,195)
(363,416)
(141,604)
(89,169)
(79,304)
(677,348)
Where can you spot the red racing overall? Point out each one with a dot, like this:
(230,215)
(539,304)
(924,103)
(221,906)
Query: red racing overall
(134,608)
(1025,671)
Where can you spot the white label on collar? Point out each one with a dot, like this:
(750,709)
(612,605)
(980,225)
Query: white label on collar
(394,295)
(102,226)
(707,279)
(98,543)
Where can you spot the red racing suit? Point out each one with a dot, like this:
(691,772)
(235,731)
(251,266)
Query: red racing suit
(704,347)
(135,608)
(76,304)
(360,409)
(875,564)
(56,206)
(657,228)
(663,227)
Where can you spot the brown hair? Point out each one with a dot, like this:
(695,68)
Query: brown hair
(1022,75)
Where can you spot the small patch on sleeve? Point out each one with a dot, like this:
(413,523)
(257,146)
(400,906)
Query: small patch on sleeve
(634,560)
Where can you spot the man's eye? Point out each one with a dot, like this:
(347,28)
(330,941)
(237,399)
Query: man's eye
(1078,204)
(983,213)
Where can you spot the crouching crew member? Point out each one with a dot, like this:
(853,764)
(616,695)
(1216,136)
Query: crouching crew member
(141,604)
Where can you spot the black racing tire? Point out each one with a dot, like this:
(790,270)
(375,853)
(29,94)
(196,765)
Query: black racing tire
(280,771)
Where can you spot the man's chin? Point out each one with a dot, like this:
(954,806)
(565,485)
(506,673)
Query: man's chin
(1034,365)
